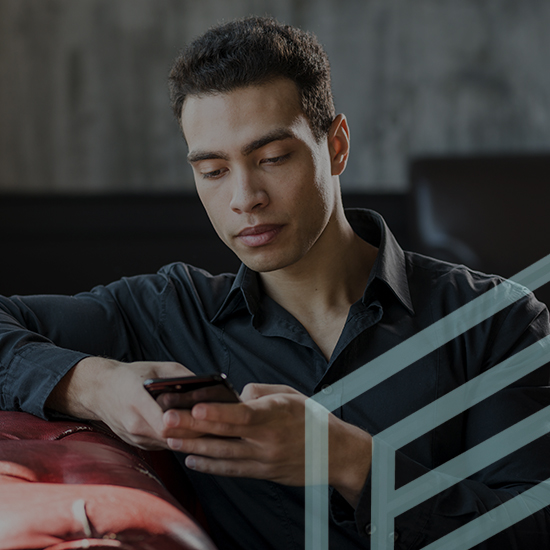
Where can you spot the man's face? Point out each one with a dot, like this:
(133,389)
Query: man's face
(265,182)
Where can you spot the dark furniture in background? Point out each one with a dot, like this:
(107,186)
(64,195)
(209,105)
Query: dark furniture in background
(491,213)
(66,244)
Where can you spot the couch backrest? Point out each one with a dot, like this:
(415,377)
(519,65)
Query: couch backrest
(66,244)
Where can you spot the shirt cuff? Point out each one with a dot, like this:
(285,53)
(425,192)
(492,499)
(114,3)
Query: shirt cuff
(409,526)
(32,375)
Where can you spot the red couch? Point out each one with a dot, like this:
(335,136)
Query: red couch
(71,485)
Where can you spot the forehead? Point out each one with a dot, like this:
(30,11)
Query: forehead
(225,120)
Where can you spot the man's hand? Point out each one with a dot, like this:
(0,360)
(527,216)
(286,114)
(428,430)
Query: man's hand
(264,438)
(113,392)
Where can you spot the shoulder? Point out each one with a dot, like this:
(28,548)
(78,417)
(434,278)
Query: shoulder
(176,285)
(491,317)
(200,286)
(447,287)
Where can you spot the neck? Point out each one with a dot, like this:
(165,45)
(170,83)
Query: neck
(320,288)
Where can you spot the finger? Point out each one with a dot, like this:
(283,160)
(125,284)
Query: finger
(230,413)
(224,448)
(178,423)
(255,391)
(253,413)
(153,413)
(226,468)
(170,370)
(141,427)
(195,428)
(181,424)
(232,419)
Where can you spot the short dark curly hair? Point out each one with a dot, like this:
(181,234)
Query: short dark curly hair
(254,50)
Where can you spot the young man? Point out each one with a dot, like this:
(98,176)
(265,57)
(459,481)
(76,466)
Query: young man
(320,294)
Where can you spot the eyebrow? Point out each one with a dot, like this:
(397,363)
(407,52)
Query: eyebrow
(275,135)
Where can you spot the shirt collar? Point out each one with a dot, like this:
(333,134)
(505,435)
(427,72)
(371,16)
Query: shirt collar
(389,267)
(245,291)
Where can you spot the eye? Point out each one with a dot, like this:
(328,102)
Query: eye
(275,160)
(214,174)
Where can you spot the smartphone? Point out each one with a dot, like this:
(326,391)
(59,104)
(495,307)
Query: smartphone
(186,391)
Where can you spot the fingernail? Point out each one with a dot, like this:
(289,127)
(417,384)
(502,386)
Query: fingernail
(198,412)
(190,462)
(171,419)
(174,444)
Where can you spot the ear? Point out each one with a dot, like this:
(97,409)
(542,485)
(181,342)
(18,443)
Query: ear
(338,144)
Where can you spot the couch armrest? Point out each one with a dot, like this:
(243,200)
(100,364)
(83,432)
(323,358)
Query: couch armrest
(71,483)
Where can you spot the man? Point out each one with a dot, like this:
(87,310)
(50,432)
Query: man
(320,294)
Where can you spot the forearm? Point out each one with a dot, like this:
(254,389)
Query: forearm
(350,455)
(38,347)
(77,392)
(42,338)
(29,370)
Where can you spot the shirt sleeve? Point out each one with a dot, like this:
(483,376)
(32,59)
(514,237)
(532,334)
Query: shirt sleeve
(43,337)
(523,324)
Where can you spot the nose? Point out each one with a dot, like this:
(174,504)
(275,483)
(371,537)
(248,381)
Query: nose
(248,194)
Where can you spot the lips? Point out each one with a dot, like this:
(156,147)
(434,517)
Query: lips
(259,235)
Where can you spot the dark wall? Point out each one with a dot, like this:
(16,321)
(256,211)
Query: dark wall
(84,103)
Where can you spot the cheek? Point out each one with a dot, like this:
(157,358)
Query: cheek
(214,206)
(315,192)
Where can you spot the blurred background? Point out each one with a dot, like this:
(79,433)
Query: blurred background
(448,103)
(84,104)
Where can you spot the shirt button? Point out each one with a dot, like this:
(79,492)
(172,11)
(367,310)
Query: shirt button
(393,536)
(370,529)
(326,389)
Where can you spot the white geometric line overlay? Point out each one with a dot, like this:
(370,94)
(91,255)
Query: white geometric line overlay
(388,503)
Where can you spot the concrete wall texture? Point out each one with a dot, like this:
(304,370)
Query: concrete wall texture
(84,105)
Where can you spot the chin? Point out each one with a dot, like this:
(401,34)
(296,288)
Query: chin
(265,263)
(260,266)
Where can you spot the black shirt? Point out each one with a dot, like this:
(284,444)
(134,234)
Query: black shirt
(226,323)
